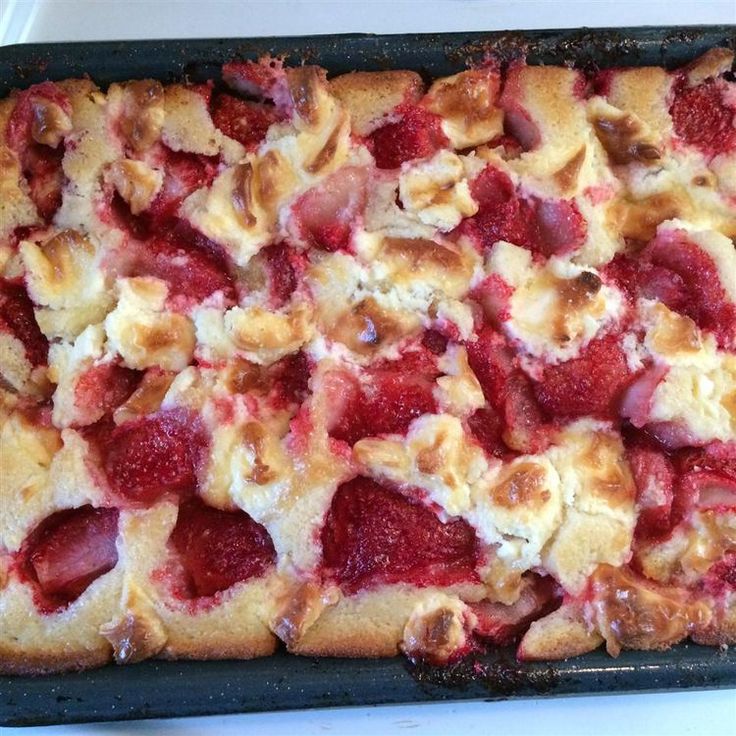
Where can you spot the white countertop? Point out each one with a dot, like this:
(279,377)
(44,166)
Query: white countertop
(707,713)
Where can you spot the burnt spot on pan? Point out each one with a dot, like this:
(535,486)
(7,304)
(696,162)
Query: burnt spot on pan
(502,677)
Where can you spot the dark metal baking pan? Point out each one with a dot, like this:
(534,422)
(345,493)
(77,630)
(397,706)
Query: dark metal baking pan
(280,682)
(285,682)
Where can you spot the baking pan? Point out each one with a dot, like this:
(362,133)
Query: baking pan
(160,689)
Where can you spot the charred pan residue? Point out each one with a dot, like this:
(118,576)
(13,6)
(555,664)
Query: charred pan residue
(590,51)
(34,66)
(506,47)
(501,677)
(586,49)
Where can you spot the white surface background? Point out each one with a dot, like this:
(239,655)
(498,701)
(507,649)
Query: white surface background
(706,713)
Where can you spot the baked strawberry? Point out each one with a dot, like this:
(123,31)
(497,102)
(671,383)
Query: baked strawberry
(184,173)
(498,216)
(18,319)
(388,401)
(374,535)
(654,477)
(502,625)
(289,379)
(153,455)
(685,278)
(68,551)
(592,383)
(264,78)
(545,226)
(435,342)
(102,388)
(219,548)
(517,122)
(325,214)
(192,265)
(721,576)
(636,402)
(716,456)
(707,479)
(284,267)
(35,131)
(42,169)
(38,116)
(703,117)
(623,272)
(417,135)
(247,122)
(555,226)
(509,393)
(488,427)
(708,490)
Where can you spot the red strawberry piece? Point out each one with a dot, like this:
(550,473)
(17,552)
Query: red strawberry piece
(219,548)
(498,216)
(517,121)
(672,435)
(494,295)
(184,174)
(592,383)
(521,128)
(526,430)
(417,135)
(435,342)
(703,117)
(387,404)
(623,271)
(636,403)
(654,477)
(103,388)
(487,427)
(545,226)
(20,125)
(41,164)
(688,281)
(374,535)
(707,479)
(148,457)
(42,169)
(284,266)
(509,392)
(246,122)
(17,318)
(68,551)
(502,625)
(555,225)
(702,489)
(721,577)
(265,78)
(325,214)
(638,277)
(290,378)
(192,265)
(512,147)
(493,363)
(717,456)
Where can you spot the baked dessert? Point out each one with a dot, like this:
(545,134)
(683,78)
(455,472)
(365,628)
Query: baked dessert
(365,365)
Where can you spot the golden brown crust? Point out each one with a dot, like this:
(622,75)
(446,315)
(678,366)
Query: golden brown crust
(13,662)
(645,92)
(370,97)
(371,623)
(387,619)
(562,634)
